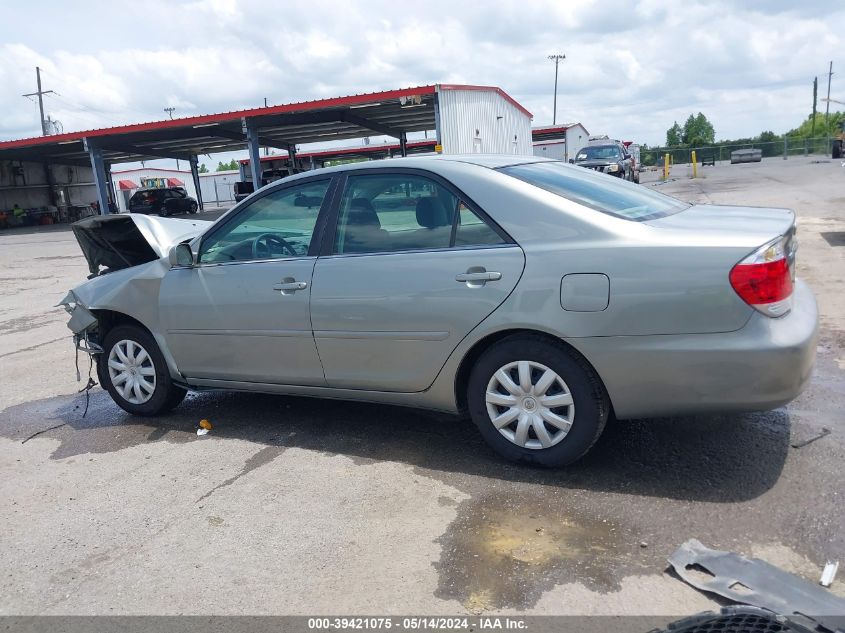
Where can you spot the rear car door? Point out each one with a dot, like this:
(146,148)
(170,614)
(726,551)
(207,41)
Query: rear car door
(241,313)
(408,269)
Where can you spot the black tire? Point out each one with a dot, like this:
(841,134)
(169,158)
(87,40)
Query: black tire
(192,208)
(166,395)
(163,213)
(837,149)
(592,405)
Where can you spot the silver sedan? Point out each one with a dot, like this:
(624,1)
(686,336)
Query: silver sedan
(539,297)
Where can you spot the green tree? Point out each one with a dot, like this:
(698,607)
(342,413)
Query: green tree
(805,130)
(203,169)
(673,135)
(698,131)
(232,164)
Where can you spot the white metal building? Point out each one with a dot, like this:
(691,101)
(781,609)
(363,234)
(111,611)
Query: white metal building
(561,142)
(218,188)
(482,120)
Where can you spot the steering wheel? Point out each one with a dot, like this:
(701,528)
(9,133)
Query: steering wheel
(264,241)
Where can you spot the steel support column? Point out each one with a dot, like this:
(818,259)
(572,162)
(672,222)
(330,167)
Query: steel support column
(254,149)
(437,135)
(195,175)
(292,168)
(99,168)
(403,144)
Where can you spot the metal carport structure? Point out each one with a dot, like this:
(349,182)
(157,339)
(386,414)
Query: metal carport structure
(393,113)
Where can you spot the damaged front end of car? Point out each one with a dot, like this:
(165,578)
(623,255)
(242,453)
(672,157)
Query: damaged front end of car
(127,259)
(85,327)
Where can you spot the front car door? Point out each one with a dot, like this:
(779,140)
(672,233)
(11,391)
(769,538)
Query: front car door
(411,267)
(241,313)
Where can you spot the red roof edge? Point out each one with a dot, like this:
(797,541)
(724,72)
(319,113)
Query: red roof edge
(496,89)
(302,106)
(552,128)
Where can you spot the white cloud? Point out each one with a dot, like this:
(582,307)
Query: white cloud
(631,68)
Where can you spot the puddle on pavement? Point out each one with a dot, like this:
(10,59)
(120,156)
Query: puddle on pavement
(505,550)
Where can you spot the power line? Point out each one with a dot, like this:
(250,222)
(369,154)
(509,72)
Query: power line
(86,112)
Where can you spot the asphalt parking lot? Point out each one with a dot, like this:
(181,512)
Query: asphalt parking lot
(298,506)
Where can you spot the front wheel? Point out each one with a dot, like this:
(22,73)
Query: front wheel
(192,208)
(133,371)
(536,402)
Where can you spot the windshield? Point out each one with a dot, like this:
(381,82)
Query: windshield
(607,194)
(599,152)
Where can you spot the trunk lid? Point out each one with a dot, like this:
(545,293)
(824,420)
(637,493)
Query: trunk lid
(113,242)
(740,226)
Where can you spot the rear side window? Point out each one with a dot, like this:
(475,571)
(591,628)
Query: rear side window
(600,192)
(383,213)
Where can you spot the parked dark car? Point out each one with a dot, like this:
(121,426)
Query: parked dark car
(243,189)
(164,202)
(609,158)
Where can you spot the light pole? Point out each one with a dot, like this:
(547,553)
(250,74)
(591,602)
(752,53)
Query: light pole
(556,59)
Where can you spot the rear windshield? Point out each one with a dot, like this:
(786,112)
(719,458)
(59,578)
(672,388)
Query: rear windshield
(602,192)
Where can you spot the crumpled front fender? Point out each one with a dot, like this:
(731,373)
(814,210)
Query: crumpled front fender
(81,318)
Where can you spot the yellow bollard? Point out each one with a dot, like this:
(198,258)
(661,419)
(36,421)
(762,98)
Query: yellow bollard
(666,166)
(694,166)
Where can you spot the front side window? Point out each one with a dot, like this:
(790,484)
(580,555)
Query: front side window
(275,226)
(400,212)
(612,196)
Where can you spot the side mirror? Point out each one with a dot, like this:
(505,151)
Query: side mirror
(180,256)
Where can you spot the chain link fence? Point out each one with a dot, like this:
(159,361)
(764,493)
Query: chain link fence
(653,157)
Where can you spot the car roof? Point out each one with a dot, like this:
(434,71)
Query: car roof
(429,162)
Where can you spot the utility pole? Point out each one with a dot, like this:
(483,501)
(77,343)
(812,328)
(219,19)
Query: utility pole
(815,94)
(266,149)
(170,112)
(827,107)
(40,93)
(556,59)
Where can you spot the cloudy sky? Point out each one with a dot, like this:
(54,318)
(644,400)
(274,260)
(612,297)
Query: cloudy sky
(631,68)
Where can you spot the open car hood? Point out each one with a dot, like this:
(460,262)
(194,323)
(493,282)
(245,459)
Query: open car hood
(113,242)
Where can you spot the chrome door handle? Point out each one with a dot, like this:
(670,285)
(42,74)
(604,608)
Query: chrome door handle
(289,285)
(478,276)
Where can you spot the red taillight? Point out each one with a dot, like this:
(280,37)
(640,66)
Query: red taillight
(764,279)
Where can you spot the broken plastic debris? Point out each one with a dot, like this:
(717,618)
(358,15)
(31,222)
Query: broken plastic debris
(205,424)
(202,431)
(829,573)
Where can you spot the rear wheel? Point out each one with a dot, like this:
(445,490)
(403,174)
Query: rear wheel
(133,371)
(536,402)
